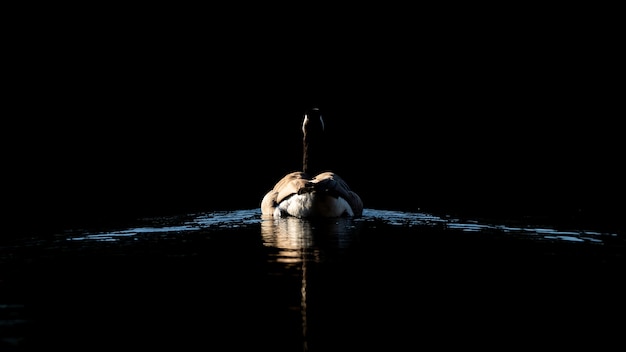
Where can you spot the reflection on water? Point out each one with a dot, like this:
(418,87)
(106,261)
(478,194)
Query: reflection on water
(294,240)
(302,242)
(302,285)
(291,236)
(297,238)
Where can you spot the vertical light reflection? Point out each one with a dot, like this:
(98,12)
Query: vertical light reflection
(301,242)
(293,239)
(303,306)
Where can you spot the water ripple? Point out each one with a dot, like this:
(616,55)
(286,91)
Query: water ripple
(220,220)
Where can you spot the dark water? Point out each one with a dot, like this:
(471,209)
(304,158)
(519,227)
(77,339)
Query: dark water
(393,281)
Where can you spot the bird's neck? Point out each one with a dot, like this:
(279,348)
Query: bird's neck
(312,157)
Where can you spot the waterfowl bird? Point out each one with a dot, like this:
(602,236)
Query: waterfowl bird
(314,191)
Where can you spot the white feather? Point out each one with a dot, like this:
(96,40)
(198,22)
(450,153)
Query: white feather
(310,204)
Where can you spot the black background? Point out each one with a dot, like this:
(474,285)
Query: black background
(110,118)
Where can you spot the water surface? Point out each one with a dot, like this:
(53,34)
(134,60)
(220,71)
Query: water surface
(232,280)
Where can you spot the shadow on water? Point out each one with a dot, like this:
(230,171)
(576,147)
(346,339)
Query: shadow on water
(233,280)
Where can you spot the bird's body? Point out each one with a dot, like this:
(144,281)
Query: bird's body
(323,195)
(311,192)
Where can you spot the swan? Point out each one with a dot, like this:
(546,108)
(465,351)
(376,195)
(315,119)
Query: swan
(312,192)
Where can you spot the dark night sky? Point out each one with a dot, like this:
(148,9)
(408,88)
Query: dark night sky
(107,125)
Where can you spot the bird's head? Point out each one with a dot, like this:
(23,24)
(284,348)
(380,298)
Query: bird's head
(313,123)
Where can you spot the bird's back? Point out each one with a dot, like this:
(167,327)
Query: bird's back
(299,184)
